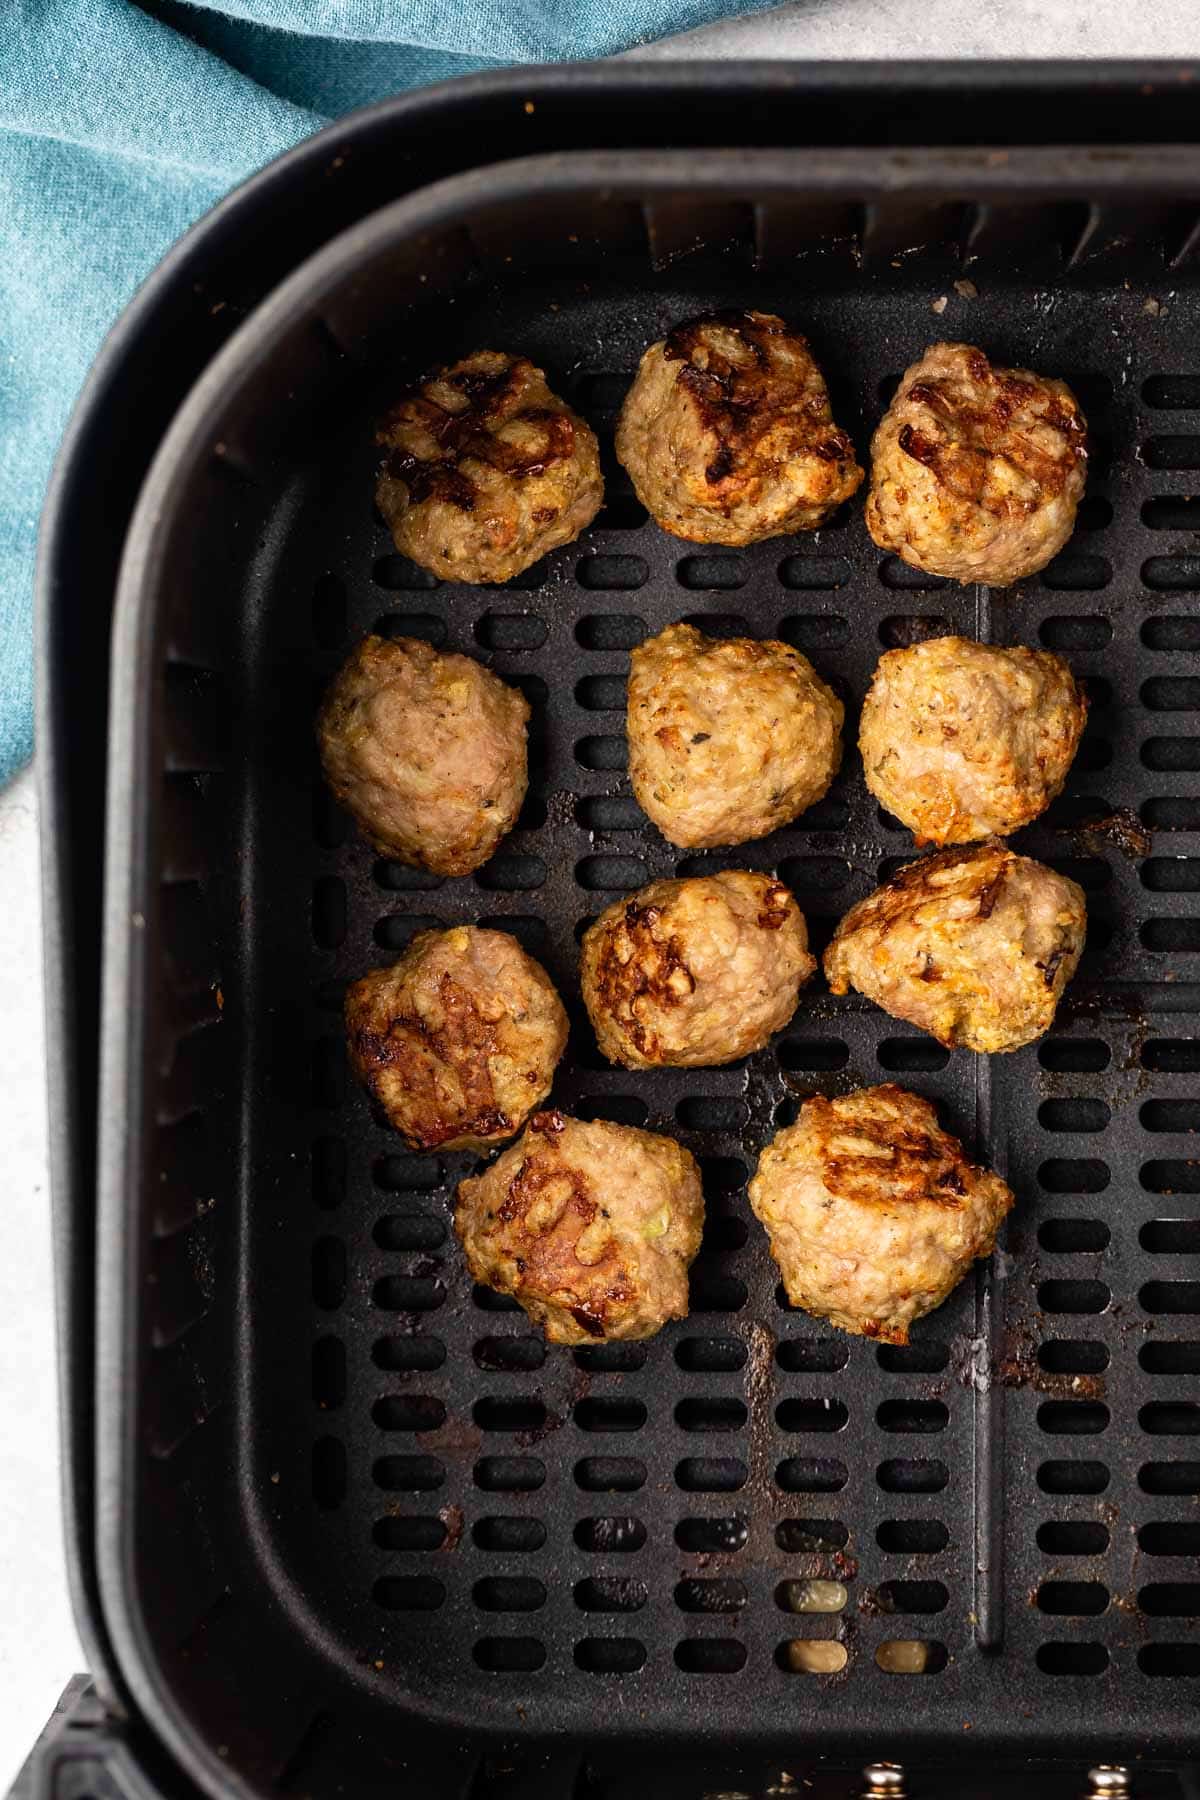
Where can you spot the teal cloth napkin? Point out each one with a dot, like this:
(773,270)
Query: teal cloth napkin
(120,124)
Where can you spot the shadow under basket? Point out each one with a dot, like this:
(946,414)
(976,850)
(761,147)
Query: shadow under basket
(363,1531)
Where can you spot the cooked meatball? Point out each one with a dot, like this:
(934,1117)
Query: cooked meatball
(728,435)
(974,946)
(962,740)
(691,974)
(590,1226)
(976,472)
(486,470)
(457,1042)
(427,751)
(728,738)
(873,1212)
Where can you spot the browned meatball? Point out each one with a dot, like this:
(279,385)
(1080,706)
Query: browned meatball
(728,435)
(962,740)
(728,738)
(427,751)
(873,1212)
(457,1042)
(976,472)
(974,946)
(694,973)
(590,1226)
(486,470)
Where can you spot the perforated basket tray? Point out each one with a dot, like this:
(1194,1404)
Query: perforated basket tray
(359,1526)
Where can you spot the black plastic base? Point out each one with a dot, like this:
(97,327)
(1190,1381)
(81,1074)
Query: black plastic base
(82,1754)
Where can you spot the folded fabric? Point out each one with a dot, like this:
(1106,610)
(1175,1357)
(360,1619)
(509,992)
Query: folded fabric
(121,124)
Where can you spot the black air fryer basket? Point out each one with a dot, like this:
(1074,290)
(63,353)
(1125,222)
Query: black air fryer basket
(358,1528)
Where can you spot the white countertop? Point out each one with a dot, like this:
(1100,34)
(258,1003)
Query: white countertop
(873,30)
(39,1648)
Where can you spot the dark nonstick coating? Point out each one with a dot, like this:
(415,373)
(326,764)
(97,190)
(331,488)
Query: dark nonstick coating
(400,1527)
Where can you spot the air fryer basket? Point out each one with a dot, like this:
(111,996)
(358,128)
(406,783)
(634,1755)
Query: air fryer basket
(356,1525)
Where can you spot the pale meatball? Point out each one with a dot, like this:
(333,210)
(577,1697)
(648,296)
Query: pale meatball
(590,1226)
(427,751)
(962,740)
(457,1043)
(728,738)
(486,470)
(728,434)
(973,946)
(873,1212)
(690,974)
(976,472)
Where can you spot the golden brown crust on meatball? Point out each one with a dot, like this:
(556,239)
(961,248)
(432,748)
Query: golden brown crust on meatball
(457,1042)
(486,470)
(728,434)
(873,1211)
(590,1226)
(963,740)
(427,751)
(974,946)
(976,472)
(695,973)
(728,738)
